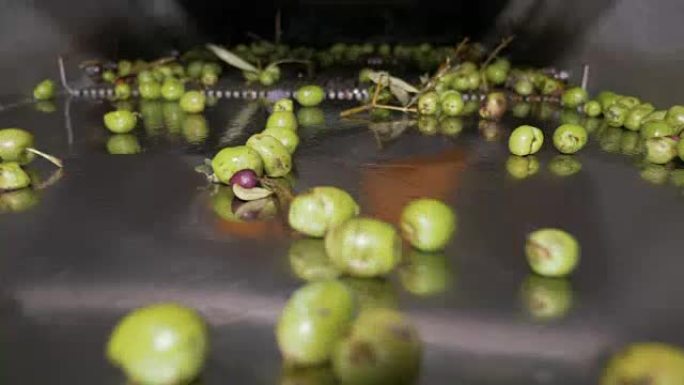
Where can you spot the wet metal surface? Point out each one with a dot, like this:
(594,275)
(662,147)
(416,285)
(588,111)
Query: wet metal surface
(122,231)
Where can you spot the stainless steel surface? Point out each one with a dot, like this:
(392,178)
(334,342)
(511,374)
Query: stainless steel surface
(122,231)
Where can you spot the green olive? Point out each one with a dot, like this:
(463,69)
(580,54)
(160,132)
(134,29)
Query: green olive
(569,138)
(574,97)
(120,122)
(452,103)
(636,116)
(172,89)
(282,119)
(122,91)
(425,274)
(523,87)
(551,86)
(494,106)
(45,90)
(450,126)
(124,67)
(428,224)
(194,70)
(364,247)
(545,298)
(459,81)
(230,160)
(470,107)
(525,140)
(178,70)
(655,173)
(364,75)
(521,167)
(383,348)
(195,128)
(173,117)
(275,157)
(474,79)
(631,143)
(208,78)
(149,90)
(309,96)
(372,293)
(564,165)
(288,138)
(656,129)
(160,344)
(266,79)
(310,117)
(14,143)
(13,177)
(193,102)
(309,261)
(645,363)
(318,210)
(616,115)
(109,76)
(660,150)
(162,72)
(145,76)
(428,103)
(628,102)
(552,252)
(18,200)
(675,117)
(250,76)
(656,115)
(607,99)
(221,203)
(592,108)
(284,104)
(315,317)
(123,144)
(496,73)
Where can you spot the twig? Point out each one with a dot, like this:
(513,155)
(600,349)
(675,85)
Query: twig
(504,43)
(460,47)
(355,110)
(62,76)
(585,76)
(395,108)
(52,159)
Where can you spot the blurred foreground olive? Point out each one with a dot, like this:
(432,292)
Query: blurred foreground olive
(552,252)
(383,348)
(649,363)
(309,261)
(160,344)
(18,200)
(565,165)
(546,298)
(425,274)
(521,167)
(123,144)
(315,317)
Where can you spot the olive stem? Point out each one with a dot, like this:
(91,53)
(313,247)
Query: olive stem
(460,47)
(52,159)
(585,76)
(504,42)
(395,108)
(355,110)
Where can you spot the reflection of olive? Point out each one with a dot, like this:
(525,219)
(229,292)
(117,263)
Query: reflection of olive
(123,144)
(428,124)
(222,203)
(372,293)
(173,117)
(310,116)
(425,274)
(18,200)
(195,128)
(45,106)
(645,363)
(318,375)
(521,167)
(565,165)
(546,298)
(309,260)
(383,348)
(152,116)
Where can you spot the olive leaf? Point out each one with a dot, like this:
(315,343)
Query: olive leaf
(231,58)
(250,194)
(399,93)
(380,76)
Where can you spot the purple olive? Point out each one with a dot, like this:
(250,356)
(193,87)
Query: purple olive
(245,178)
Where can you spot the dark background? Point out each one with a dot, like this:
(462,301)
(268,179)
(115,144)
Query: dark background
(632,46)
